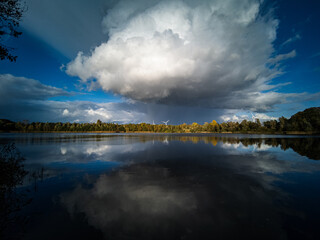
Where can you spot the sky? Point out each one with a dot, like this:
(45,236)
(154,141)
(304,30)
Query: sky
(155,60)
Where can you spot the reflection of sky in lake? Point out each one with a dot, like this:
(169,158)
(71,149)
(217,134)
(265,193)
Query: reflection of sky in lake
(172,186)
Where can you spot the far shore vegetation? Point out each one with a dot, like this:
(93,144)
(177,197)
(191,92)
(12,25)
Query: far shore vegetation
(305,122)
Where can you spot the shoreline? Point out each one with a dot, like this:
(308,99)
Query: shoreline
(302,133)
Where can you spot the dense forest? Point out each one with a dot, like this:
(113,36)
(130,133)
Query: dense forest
(307,121)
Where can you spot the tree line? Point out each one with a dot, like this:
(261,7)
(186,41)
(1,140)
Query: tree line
(306,121)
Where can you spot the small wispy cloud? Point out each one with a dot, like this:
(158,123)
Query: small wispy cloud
(315,55)
(282,57)
(292,39)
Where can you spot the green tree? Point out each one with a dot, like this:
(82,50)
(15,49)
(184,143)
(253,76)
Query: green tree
(282,124)
(10,16)
(244,125)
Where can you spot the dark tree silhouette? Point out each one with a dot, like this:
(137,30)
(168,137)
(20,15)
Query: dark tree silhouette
(11,175)
(10,16)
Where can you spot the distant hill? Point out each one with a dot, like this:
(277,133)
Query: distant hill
(307,120)
(6,125)
(5,121)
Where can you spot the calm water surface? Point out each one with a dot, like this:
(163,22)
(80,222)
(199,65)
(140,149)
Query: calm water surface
(117,186)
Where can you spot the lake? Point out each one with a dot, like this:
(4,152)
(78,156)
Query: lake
(157,186)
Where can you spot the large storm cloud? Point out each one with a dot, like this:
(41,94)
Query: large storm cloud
(215,53)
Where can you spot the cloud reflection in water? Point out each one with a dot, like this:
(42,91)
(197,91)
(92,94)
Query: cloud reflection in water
(177,186)
(189,191)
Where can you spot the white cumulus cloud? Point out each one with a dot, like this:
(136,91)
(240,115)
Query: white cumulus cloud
(249,117)
(65,112)
(186,52)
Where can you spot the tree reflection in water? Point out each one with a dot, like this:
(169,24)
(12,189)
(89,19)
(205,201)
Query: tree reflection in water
(12,174)
(308,146)
(305,146)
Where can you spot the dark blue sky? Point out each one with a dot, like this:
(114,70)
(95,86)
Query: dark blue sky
(167,74)
(300,18)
